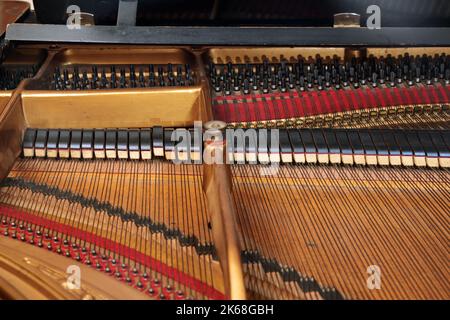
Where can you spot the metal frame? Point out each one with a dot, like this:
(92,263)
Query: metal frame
(239,36)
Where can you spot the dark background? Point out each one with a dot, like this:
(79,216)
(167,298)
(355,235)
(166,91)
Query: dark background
(394,13)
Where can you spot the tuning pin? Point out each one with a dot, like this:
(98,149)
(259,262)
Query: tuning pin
(227,90)
(55,82)
(94,72)
(180,79)
(302,83)
(132,72)
(320,83)
(122,79)
(85,81)
(327,79)
(283,66)
(344,80)
(212,69)
(442,70)
(291,81)
(151,82)
(399,76)
(436,74)
(76,71)
(189,79)
(405,70)
(187,69)
(57,72)
(169,69)
(65,78)
(428,77)
(112,83)
(273,83)
(250,71)
(104,80)
(337,82)
(363,77)
(283,86)
(392,79)
(374,79)
(218,85)
(410,77)
(160,71)
(236,85)
(265,86)
(161,81)
(151,69)
(417,74)
(230,70)
(382,76)
(356,81)
(141,78)
(254,83)
(74,81)
(246,86)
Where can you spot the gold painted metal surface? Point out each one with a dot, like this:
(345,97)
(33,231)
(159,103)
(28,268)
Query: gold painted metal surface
(177,106)
(28,272)
(395,52)
(251,54)
(124,108)
(107,56)
(124,55)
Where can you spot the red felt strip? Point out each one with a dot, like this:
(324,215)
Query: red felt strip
(372,103)
(252,110)
(288,105)
(335,100)
(108,244)
(353,99)
(261,110)
(380,95)
(309,110)
(444,90)
(363,104)
(416,95)
(425,95)
(434,95)
(315,101)
(407,94)
(325,102)
(281,112)
(390,99)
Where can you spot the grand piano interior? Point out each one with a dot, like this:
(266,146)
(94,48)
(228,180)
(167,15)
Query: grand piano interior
(348,199)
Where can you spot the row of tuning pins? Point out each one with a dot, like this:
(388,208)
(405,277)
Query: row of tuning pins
(284,76)
(11,77)
(110,79)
